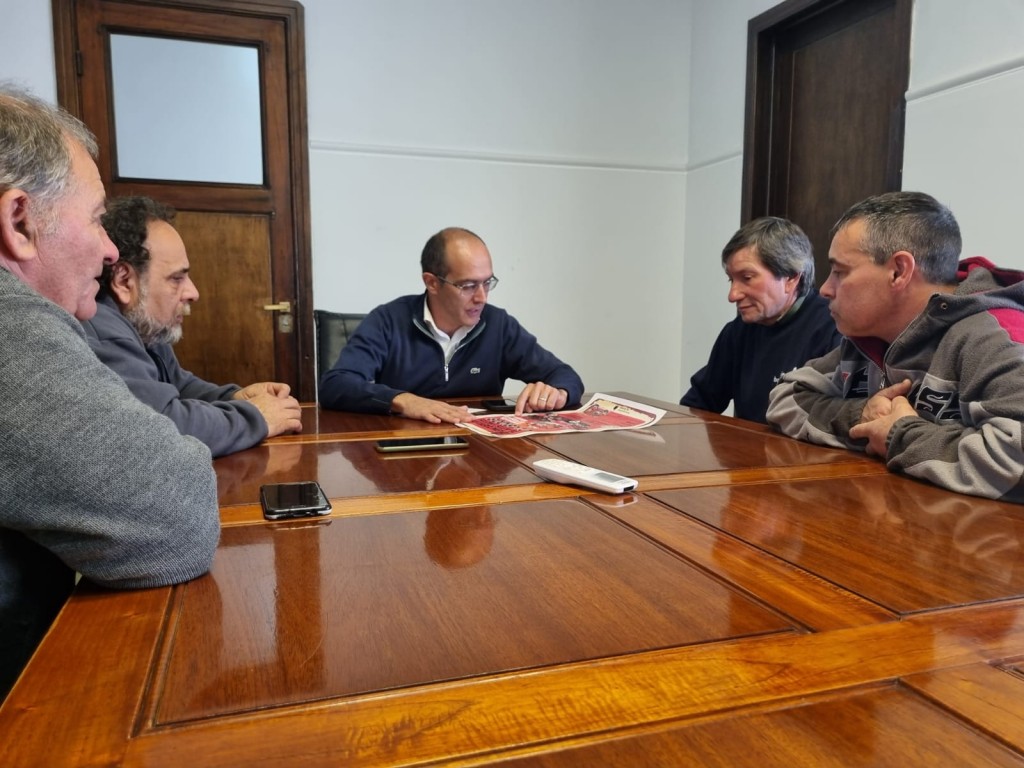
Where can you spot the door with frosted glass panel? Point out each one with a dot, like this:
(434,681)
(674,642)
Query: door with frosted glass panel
(201,104)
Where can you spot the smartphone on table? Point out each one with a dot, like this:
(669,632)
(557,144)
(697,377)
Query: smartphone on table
(422,444)
(282,501)
(499,406)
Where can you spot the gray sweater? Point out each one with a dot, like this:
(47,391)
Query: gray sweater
(91,480)
(153,374)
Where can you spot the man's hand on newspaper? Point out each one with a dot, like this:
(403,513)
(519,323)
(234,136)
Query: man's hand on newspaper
(415,407)
(539,396)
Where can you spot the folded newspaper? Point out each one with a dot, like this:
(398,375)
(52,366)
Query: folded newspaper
(601,413)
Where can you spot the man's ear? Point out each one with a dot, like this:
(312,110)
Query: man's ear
(18,226)
(904,265)
(124,283)
(431,282)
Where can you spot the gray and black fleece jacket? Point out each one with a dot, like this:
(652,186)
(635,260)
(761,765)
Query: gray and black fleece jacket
(964,355)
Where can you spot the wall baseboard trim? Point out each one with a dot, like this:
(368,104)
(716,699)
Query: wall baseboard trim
(433,153)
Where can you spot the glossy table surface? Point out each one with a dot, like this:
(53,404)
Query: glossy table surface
(756,602)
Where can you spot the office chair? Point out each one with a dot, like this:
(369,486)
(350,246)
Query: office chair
(333,330)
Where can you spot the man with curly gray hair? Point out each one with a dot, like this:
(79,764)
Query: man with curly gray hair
(144,300)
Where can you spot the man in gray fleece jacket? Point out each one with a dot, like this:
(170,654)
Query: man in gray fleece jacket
(91,480)
(928,376)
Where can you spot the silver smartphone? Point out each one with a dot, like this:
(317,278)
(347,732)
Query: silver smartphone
(422,444)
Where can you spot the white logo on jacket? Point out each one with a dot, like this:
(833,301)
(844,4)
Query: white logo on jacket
(474,370)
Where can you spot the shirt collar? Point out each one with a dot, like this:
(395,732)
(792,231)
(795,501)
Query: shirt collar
(440,336)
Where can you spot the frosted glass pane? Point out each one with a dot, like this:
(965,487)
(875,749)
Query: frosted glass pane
(186,111)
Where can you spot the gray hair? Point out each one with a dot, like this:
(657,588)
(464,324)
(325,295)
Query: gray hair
(782,247)
(35,152)
(909,221)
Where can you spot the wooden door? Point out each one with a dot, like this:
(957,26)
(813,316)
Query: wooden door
(826,85)
(248,243)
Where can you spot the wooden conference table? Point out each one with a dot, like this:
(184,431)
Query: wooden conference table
(756,602)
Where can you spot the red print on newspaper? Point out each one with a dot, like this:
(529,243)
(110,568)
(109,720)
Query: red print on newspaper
(601,413)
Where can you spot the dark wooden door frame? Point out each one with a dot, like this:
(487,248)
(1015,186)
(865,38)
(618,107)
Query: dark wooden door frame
(767,36)
(289,13)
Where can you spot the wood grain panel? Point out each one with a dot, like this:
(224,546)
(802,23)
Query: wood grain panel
(229,337)
(376,603)
(249,514)
(812,601)
(321,425)
(856,467)
(902,544)
(479,717)
(74,711)
(887,727)
(793,614)
(831,464)
(686,447)
(985,694)
(348,469)
(101,640)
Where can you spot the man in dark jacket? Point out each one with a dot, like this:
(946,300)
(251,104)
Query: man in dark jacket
(143,300)
(781,321)
(445,343)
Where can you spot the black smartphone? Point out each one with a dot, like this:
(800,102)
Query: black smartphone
(286,500)
(421,444)
(499,406)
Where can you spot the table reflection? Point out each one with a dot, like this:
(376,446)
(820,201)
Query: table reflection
(458,538)
(440,470)
(902,544)
(240,475)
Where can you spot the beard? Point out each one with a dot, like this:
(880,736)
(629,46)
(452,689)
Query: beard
(151,330)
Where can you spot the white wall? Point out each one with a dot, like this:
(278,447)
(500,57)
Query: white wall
(963,142)
(577,138)
(556,131)
(965,119)
(26,47)
(714,183)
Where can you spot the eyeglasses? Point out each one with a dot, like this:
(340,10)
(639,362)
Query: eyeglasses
(468,287)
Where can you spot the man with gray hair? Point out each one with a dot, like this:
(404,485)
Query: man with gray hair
(781,321)
(143,301)
(928,376)
(91,480)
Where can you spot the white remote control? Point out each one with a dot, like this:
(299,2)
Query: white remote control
(579,474)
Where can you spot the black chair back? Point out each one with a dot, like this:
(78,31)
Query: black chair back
(333,330)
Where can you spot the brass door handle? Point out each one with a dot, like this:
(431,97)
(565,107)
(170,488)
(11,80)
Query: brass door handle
(284,306)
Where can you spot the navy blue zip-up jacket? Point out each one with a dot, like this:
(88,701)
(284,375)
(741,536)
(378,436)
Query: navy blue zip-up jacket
(393,352)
